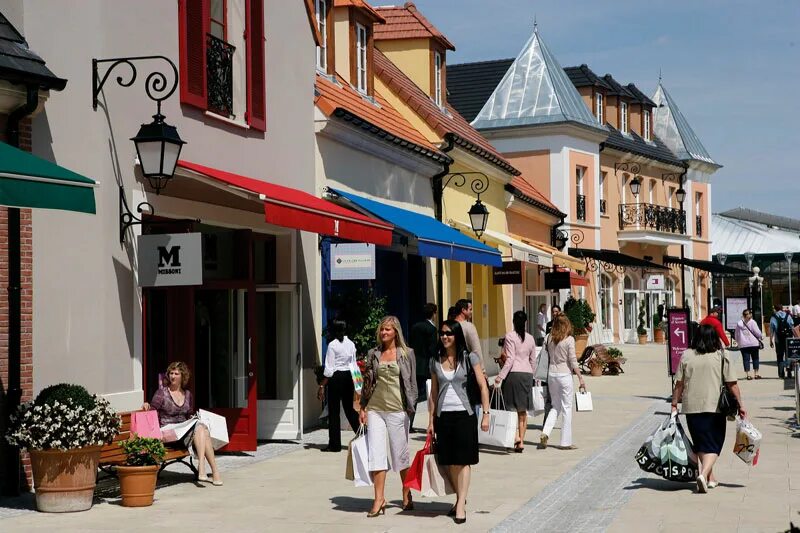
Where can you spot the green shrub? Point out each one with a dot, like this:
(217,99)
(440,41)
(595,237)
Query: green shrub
(641,329)
(63,392)
(614,352)
(580,314)
(143,451)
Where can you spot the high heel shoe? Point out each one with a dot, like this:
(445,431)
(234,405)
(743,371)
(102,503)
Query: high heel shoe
(380,511)
(452,511)
(409,506)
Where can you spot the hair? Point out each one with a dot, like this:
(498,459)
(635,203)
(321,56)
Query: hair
(461,342)
(543,308)
(338,328)
(429,310)
(462,305)
(778,307)
(562,328)
(181,367)
(746,311)
(519,320)
(452,313)
(399,340)
(707,340)
(556,307)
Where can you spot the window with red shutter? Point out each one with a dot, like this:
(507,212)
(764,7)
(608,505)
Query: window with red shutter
(256,81)
(193,25)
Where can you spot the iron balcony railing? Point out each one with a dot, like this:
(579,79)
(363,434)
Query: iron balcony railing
(699,225)
(652,217)
(602,206)
(580,208)
(219,76)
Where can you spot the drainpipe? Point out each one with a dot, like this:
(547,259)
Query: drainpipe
(437,183)
(14,297)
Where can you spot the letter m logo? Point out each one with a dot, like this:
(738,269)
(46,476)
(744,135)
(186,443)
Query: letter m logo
(171,257)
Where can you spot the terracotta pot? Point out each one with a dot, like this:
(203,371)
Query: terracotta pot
(596,370)
(580,343)
(658,335)
(642,339)
(137,484)
(64,480)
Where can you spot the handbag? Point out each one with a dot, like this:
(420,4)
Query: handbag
(760,343)
(543,362)
(583,401)
(727,403)
(473,389)
(145,424)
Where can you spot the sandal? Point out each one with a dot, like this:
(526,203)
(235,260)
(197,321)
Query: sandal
(749,378)
(758,377)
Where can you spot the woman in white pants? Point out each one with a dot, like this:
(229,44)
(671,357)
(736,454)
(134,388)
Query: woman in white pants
(561,349)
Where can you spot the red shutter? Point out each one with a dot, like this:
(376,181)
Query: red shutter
(256,85)
(193,25)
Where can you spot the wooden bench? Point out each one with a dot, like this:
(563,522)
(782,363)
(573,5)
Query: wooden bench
(112,455)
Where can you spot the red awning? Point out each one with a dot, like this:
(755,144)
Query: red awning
(293,208)
(575,279)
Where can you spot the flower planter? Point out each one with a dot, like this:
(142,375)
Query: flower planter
(642,339)
(580,343)
(64,480)
(596,370)
(658,335)
(137,484)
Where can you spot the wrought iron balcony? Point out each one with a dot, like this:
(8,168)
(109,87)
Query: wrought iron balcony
(219,76)
(651,217)
(699,225)
(580,208)
(602,206)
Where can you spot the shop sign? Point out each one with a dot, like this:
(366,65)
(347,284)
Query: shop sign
(510,273)
(170,259)
(352,261)
(734,307)
(677,337)
(655,282)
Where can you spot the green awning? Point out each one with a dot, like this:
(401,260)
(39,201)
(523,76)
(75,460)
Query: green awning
(30,181)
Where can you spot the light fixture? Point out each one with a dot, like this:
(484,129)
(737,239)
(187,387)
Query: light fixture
(636,184)
(478,217)
(722,258)
(158,146)
(680,195)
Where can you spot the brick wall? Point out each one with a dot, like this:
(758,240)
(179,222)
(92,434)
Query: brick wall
(26,337)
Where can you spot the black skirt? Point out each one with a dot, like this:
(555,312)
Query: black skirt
(518,392)
(456,438)
(707,431)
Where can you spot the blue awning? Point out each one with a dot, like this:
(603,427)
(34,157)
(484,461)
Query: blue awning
(434,239)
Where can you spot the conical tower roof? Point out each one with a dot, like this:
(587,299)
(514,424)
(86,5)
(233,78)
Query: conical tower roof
(674,130)
(535,90)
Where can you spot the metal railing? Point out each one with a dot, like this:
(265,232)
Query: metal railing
(699,225)
(219,76)
(602,206)
(580,208)
(652,217)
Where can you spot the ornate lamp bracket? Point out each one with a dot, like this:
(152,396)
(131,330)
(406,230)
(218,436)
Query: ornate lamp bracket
(632,168)
(156,85)
(127,218)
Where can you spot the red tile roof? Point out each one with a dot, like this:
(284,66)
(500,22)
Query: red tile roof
(341,100)
(406,22)
(360,4)
(448,123)
(520,186)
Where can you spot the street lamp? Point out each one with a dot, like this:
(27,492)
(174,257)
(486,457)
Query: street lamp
(755,281)
(478,217)
(158,146)
(636,185)
(680,195)
(788,256)
(722,258)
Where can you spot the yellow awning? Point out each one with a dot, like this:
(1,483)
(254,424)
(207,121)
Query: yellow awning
(559,258)
(521,251)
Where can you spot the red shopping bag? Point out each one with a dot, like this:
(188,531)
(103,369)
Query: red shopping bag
(145,424)
(414,474)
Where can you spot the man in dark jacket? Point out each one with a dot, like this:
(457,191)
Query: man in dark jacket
(423,338)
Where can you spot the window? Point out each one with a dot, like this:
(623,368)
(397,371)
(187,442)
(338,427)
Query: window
(598,104)
(580,206)
(321,7)
(437,77)
(218,19)
(605,300)
(623,117)
(646,124)
(624,188)
(361,58)
(603,192)
(652,192)
(671,196)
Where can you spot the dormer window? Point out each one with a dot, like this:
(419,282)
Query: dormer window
(437,79)
(647,125)
(361,58)
(321,8)
(623,120)
(598,104)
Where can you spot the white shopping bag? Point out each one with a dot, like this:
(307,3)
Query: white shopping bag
(583,401)
(175,432)
(502,424)
(748,441)
(435,481)
(538,400)
(359,455)
(217,427)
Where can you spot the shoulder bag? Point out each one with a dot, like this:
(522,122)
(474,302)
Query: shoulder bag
(727,403)
(760,343)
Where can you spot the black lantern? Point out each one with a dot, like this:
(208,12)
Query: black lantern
(478,217)
(680,195)
(636,184)
(158,146)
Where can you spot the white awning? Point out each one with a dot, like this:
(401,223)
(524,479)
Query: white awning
(520,251)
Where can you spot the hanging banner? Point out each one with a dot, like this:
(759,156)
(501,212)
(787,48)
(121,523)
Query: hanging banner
(352,260)
(170,259)
(677,337)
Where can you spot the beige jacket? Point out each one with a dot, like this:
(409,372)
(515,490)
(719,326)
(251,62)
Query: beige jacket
(408,378)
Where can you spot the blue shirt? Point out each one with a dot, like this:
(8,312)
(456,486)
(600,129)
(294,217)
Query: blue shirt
(773,322)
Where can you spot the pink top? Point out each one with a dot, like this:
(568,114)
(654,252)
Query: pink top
(521,355)
(747,334)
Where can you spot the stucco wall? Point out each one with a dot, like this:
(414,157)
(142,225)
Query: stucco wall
(413,57)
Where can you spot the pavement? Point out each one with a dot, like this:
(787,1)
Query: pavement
(598,487)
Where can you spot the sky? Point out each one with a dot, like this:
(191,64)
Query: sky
(732,66)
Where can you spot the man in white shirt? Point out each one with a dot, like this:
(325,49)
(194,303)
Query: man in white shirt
(464,317)
(796,309)
(541,324)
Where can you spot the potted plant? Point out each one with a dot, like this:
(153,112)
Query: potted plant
(640,329)
(580,314)
(63,430)
(596,366)
(137,478)
(614,361)
(659,328)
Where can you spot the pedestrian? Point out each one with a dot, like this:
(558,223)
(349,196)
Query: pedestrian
(517,375)
(796,310)
(456,374)
(749,339)
(423,339)
(387,401)
(464,316)
(340,359)
(713,320)
(452,313)
(780,329)
(700,375)
(563,363)
(541,324)
(554,312)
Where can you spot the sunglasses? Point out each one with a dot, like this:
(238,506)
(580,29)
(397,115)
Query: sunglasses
(446,334)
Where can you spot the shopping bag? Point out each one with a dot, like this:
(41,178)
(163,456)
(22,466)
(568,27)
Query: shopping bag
(358,453)
(349,473)
(542,362)
(502,424)
(175,432)
(414,474)
(748,441)
(145,424)
(358,379)
(583,401)
(538,400)
(668,453)
(217,427)
(435,480)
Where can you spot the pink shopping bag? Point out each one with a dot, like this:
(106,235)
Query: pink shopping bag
(145,424)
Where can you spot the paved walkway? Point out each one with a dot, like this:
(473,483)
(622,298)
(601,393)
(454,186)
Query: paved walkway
(598,487)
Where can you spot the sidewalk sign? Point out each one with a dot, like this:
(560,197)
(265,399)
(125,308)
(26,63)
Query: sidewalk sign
(677,337)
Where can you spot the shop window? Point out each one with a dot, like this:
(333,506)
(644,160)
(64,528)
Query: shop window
(598,102)
(361,58)
(623,117)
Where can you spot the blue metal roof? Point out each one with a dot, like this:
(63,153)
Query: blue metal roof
(673,128)
(434,239)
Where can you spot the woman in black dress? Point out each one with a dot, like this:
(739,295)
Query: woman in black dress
(456,377)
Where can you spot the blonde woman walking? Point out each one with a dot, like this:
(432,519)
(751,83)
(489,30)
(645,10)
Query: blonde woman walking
(387,403)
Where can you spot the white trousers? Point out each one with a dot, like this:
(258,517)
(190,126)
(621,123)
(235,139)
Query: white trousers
(388,429)
(561,394)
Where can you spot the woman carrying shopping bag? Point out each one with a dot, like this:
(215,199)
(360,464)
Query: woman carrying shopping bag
(339,360)
(563,363)
(698,386)
(750,340)
(387,401)
(456,375)
(517,375)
